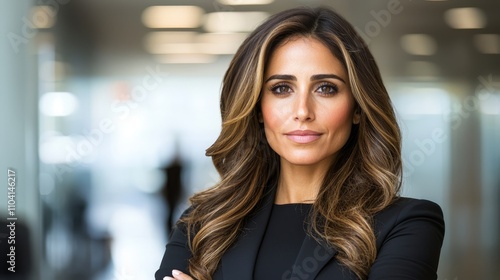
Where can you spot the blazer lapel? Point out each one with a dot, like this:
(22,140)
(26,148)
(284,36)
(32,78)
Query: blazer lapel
(312,257)
(239,260)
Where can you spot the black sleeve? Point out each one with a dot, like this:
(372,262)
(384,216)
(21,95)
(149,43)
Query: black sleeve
(412,245)
(177,253)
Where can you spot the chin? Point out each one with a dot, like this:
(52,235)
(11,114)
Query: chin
(304,161)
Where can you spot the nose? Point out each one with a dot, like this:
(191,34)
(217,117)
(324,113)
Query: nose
(304,107)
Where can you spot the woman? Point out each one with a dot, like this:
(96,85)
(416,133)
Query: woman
(310,162)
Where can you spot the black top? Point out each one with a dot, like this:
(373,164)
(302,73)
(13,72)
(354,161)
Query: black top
(285,232)
(409,234)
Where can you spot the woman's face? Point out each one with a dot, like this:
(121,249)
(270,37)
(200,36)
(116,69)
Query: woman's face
(307,106)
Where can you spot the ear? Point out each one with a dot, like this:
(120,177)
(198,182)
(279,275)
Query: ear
(356,116)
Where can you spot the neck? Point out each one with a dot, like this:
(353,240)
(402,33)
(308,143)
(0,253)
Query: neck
(299,183)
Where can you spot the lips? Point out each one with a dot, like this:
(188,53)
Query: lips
(303,136)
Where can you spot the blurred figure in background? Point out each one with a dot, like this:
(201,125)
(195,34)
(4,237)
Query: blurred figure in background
(171,191)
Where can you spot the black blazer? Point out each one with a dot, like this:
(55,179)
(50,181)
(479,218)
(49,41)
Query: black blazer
(409,237)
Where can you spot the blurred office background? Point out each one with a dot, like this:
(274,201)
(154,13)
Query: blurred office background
(107,107)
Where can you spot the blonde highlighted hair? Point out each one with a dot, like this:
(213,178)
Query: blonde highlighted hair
(363,180)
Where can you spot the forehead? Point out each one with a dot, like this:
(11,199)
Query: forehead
(303,54)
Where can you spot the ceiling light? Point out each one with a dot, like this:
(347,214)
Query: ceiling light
(419,44)
(487,43)
(172,16)
(233,21)
(195,58)
(174,48)
(58,103)
(465,18)
(221,43)
(154,42)
(245,2)
(43,17)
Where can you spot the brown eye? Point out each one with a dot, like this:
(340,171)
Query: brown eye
(327,89)
(281,89)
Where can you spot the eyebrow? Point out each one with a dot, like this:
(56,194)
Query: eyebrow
(313,77)
(326,76)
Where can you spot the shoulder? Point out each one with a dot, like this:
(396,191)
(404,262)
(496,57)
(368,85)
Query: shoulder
(418,217)
(409,235)
(405,207)
(180,224)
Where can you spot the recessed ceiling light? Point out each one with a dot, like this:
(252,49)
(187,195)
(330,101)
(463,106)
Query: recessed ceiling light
(221,43)
(172,16)
(58,104)
(194,58)
(245,2)
(170,42)
(465,18)
(169,37)
(419,44)
(487,43)
(43,17)
(233,21)
(174,48)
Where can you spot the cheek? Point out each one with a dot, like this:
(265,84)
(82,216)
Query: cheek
(273,115)
(339,116)
(342,118)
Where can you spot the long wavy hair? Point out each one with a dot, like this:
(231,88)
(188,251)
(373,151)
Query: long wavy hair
(364,179)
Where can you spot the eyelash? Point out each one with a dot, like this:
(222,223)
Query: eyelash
(333,88)
(274,88)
